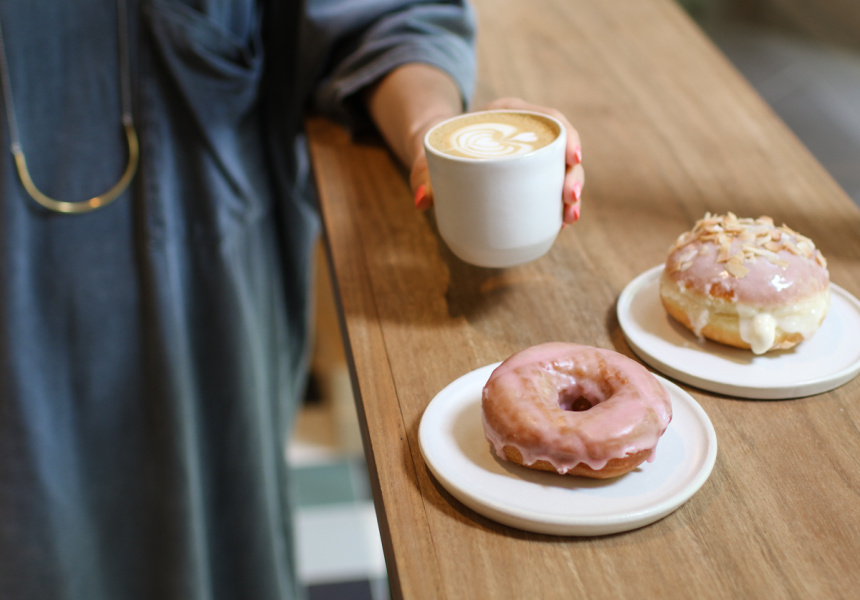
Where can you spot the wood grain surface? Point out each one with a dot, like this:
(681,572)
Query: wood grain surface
(670,130)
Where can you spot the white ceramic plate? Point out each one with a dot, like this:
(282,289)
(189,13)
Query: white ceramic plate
(824,362)
(455,450)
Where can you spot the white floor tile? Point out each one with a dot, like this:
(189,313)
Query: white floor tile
(338,543)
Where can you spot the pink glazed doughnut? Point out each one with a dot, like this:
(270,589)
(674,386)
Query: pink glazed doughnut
(575,410)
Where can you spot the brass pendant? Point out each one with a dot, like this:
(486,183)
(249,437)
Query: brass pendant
(94,203)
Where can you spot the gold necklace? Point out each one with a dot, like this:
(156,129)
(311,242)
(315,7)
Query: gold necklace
(96,202)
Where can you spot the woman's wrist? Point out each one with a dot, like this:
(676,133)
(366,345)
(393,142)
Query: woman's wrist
(407,102)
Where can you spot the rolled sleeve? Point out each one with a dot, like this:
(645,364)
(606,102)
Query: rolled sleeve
(367,39)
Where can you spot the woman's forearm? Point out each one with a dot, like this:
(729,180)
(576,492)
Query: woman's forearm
(407,102)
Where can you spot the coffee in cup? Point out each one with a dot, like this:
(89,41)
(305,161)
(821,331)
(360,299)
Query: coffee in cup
(497,178)
(496,134)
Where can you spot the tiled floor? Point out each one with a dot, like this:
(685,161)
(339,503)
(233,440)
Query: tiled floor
(815,89)
(339,550)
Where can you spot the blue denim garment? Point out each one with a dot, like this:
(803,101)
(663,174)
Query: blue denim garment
(151,352)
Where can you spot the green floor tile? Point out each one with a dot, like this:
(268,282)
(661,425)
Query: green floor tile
(330,483)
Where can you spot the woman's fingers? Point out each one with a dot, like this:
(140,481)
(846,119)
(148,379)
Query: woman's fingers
(571,194)
(419,181)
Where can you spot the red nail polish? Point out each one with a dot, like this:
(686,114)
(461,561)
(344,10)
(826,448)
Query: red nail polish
(577,152)
(420,196)
(571,213)
(577,189)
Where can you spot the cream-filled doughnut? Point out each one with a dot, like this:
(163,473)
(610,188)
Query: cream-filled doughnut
(575,410)
(746,283)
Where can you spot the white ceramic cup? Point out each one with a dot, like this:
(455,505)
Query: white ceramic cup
(497,198)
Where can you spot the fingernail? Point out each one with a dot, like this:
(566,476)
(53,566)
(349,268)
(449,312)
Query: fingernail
(420,196)
(571,213)
(577,189)
(577,152)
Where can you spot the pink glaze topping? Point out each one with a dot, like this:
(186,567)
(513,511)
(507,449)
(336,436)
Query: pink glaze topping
(529,400)
(748,261)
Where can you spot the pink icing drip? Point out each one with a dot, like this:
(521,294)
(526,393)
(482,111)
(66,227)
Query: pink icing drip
(523,396)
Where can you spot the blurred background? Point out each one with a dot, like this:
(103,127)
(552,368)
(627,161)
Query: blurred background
(802,56)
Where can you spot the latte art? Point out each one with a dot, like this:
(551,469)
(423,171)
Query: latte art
(493,134)
(492,140)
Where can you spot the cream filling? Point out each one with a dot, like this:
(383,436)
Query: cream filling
(757,326)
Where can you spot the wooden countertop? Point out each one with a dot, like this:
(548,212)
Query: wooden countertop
(670,130)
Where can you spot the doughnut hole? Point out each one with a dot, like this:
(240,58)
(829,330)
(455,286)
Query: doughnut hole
(574,400)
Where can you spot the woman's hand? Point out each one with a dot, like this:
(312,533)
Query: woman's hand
(419,177)
(407,102)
